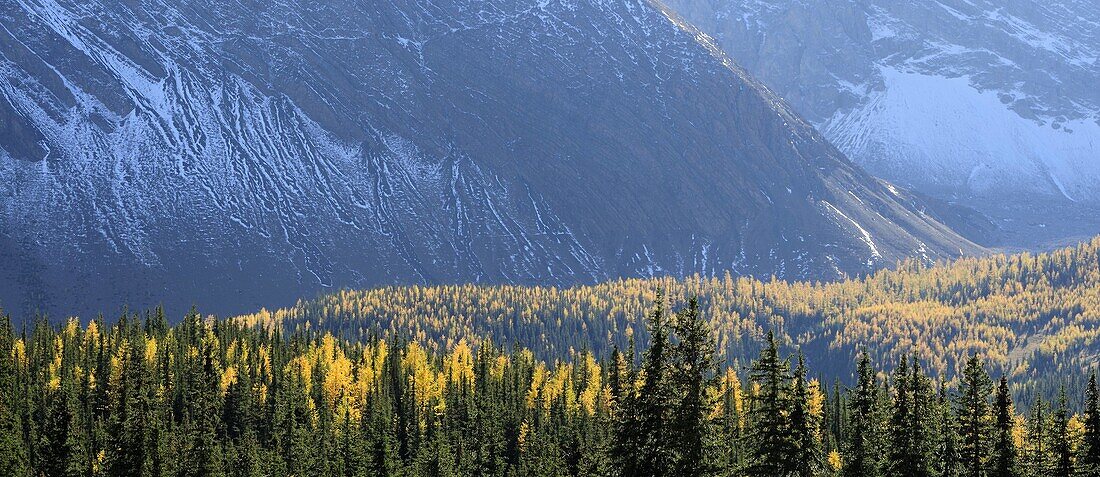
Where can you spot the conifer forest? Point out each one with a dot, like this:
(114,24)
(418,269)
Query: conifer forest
(214,397)
(549,238)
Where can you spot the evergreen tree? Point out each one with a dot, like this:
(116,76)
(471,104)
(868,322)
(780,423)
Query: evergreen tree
(1037,459)
(911,446)
(947,442)
(836,418)
(694,379)
(653,457)
(13,450)
(66,445)
(771,439)
(624,412)
(212,397)
(204,454)
(1089,462)
(1003,461)
(809,458)
(380,435)
(974,418)
(130,449)
(731,427)
(1060,446)
(863,456)
(438,456)
(900,454)
(921,422)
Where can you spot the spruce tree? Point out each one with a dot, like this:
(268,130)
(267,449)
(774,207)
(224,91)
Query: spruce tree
(595,444)
(809,458)
(13,450)
(921,422)
(624,412)
(912,411)
(438,455)
(1003,463)
(126,449)
(1037,459)
(863,454)
(774,449)
(974,418)
(947,440)
(731,427)
(836,417)
(654,401)
(1089,462)
(1060,445)
(204,453)
(899,456)
(694,379)
(66,444)
(382,443)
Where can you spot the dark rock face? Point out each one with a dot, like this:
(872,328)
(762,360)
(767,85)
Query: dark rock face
(242,154)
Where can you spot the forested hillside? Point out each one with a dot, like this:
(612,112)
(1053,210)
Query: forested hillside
(212,398)
(1027,313)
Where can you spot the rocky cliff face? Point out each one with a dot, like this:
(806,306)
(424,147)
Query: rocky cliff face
(978,101)
(235,154)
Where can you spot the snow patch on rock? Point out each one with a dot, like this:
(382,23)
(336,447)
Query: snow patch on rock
(944,131)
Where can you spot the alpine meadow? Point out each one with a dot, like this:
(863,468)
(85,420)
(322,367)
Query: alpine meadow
(549,238)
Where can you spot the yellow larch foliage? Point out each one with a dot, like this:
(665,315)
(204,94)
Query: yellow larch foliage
(54,381)
(460,364)
(538,380)
(339,385)
(91,333)
(593,387)
(428,385)
(1075,428)
(327,350)
(835,462)
(100,459)
(559,386)
(72,328)
(1006,307)
(369,370)
(264,359)
(114,376)
(817,400)
(524,431)
(1019,431)
(229,376)
(231,351)
(19,352)
(300,366)
(499,364)
(150,350)
(731,383)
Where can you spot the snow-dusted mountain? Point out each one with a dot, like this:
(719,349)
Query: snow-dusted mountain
(977,100)
(236,154)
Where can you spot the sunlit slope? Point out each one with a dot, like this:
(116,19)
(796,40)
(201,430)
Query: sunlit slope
(1028,313)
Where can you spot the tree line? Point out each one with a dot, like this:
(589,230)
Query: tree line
(212,397)
(1031,315)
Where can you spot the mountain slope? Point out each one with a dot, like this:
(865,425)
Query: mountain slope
(977,101)
(1030,315)
(246,153)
